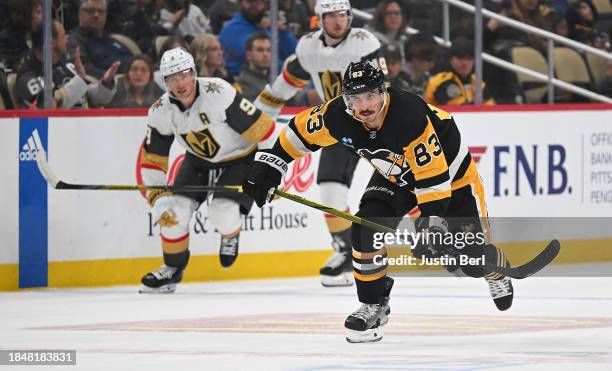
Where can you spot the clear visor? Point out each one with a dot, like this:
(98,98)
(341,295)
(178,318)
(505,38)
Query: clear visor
(179,77)
(336,14)
(368,96)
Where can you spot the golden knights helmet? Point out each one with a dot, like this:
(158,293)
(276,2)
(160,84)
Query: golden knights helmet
(175,60)
(328,6)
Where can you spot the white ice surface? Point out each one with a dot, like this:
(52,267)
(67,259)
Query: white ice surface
(295,324)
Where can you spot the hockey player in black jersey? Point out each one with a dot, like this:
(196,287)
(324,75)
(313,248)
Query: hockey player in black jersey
(420,160)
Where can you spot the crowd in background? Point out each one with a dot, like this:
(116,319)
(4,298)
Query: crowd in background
(105,53)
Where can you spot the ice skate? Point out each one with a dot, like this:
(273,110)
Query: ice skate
(161,281)
(338,269)
(228,251)
(502,292)
(366,324)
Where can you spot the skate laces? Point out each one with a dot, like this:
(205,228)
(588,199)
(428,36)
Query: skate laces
(366,311)
(336,259)
(229,246)
(164,272)
(499,288)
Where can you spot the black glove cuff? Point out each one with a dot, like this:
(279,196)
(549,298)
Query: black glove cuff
(272,160)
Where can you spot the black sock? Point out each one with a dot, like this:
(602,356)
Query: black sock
(178,260)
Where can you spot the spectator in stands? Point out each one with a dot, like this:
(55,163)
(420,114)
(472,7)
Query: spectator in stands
(220,12)
(70,88)
(456,84)
(420,51)
(183,18)
(534,14)
(208,56)
(98,49)
(138,20)
(530,12)
(248,20)
(255,73)
(560,6)
(20,17)
(136,89)
(581,18)
(559,25)
(298,16)
(388,24)
(395,75)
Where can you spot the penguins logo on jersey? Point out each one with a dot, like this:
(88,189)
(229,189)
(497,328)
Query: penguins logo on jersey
(331,82)
(390,165)
(202,143)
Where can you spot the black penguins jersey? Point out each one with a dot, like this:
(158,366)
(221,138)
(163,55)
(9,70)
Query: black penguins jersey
(418,147)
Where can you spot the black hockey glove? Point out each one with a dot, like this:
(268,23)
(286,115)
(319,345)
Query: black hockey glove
(433,232)
(265,174)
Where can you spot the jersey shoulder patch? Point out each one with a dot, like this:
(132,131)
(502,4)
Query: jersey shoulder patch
(159,115)
(309,43)
(218,93)
(364,37)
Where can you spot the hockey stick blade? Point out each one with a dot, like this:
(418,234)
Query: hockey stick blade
(45,169)
(546,256)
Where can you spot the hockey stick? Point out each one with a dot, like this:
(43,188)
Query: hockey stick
(519,272)
(55,182)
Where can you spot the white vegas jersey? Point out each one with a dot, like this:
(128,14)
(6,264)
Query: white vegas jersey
(324,65)
(220,128)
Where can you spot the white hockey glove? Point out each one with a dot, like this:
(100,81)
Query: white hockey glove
(162,212)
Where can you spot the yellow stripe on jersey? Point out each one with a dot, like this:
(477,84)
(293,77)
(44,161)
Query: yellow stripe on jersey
(442,114)
(370,277)
(148,159)
(425,155)
(270,100)
(368,255)
(311,126)
(259,128)
(294,80)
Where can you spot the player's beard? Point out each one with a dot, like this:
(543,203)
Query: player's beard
(253,18)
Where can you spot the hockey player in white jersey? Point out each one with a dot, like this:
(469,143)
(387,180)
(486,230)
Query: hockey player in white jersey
(220,130)
(322,57)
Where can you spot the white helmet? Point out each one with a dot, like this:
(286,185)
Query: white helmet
(328,6)
(175,60)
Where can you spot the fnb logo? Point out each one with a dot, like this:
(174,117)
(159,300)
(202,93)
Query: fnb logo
(535,170)
(29,151)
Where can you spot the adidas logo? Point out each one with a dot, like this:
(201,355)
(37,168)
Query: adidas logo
(29,151)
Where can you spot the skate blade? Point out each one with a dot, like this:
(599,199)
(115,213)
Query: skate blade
(368,336)
(166,289)
(344,279)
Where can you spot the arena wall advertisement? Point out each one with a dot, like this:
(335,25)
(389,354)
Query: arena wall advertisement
(538,163)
